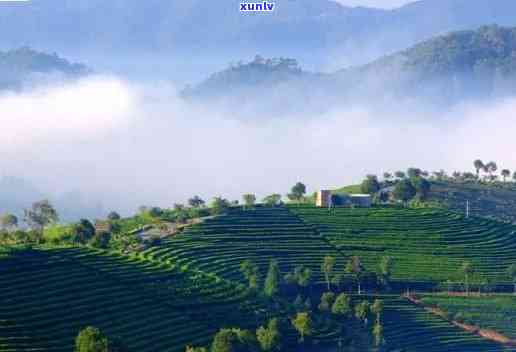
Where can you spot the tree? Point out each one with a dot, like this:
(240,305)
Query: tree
(83,231)
(327,268)
(269,337)
(249,200)
(156,212)
(250,271)
(385,270)
(370,185)
(422,187)
(511,272)
(8,221)
(378,334)
(101,240)
(377,308)
(514,176)
(399,174)
(301,276)
(506,173)
(113,216)
(272,281)
(404,190)
(467,269)
(91,339)
(297,192)
(362,311)
(491,167)
(414,172)
(272,200)
(479,165)
(303,324)
(196,202)
(387,176)
(342,305)
(219,205)
(298,303)
(224,341)
(40,215)
(327,300)
(355,268)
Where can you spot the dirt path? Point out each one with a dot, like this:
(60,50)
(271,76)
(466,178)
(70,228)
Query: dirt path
(485,333)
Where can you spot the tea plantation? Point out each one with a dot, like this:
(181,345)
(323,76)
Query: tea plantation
(427,245)
(220,245)
(410,328)
(498,313)
(185,289)
(49,295)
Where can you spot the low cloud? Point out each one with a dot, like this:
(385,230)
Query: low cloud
(127,144)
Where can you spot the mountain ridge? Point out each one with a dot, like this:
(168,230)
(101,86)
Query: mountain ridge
(449,68)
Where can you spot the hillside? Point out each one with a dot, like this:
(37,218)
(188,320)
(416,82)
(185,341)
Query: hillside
(498,202)
(464,64)
(490,200)
(181,291)
(427,245)
(241,79)
(50,295)
(442,71)
(25,66)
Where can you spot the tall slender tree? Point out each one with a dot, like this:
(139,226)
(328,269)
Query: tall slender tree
(249,200)
(327,267)
(479,165)
(385,271)
(251,272)
(466,269)
(272,281)
(506,173)
(355,268)
(302,322)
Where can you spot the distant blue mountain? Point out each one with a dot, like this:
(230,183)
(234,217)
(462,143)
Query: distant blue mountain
(317,30)
(470,64)
(18,67)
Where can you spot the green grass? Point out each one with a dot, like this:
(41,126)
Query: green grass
(427,245)
(488,312)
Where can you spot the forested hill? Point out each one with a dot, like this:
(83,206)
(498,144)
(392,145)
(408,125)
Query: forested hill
(481,61)
(446,69)
(488,49)
(259,73)
(23,64)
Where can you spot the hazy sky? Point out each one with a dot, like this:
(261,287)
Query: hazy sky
(375,3)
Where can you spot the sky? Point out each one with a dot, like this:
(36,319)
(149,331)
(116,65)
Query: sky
(375,3)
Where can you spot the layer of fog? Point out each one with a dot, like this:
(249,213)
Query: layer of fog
(125,144)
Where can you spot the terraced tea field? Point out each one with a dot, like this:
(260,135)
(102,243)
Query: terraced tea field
(427,245)
(48,296)
(410,328)
(184,290)
(220,245)
(488,312)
